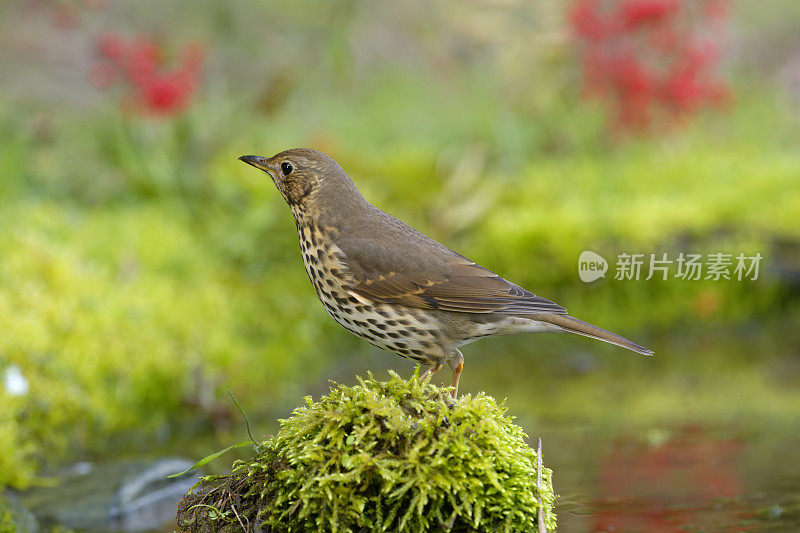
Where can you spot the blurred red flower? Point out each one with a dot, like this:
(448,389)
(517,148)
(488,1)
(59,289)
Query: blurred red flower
(635,13)
(648,59)
(151,86)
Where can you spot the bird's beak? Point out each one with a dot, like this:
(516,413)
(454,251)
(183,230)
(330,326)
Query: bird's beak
(256,161)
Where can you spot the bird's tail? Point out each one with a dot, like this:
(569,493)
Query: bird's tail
(573,325)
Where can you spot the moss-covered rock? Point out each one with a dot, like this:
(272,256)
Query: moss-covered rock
(382,456)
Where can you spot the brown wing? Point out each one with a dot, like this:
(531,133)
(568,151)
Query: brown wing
(434,277)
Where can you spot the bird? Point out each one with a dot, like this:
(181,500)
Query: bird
(394,286)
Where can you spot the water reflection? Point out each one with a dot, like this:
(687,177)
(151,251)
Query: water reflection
(686,479)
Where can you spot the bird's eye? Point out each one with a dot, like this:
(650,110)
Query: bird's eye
(286,168)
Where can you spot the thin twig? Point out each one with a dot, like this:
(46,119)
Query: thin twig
(294,508)
(540,512)
(233,507)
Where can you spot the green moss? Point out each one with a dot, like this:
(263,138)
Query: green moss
(382,456)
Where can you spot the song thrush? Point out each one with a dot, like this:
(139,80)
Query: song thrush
(395,287)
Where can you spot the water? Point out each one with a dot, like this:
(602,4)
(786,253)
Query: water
(685,478)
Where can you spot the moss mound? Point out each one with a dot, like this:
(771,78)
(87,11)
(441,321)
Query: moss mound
(382,456)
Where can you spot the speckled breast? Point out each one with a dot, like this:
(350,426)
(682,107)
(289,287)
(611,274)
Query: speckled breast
(410,333)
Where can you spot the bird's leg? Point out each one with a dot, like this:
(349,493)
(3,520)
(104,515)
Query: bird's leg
(430,371)
(457,364)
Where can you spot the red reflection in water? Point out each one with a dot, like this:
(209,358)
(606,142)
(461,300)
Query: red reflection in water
(687,481)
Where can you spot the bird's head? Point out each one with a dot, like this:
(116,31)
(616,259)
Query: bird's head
(300,174)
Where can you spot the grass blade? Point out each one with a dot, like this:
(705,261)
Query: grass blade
(210,458)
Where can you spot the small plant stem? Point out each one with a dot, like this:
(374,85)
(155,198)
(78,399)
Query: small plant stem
(540,512)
